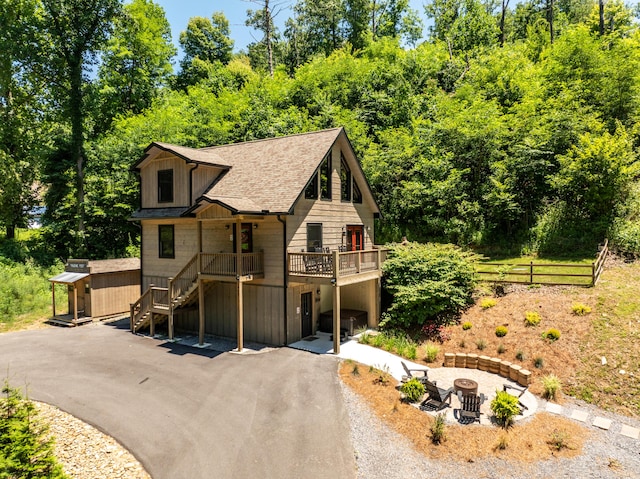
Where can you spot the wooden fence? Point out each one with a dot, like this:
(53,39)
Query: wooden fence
(550,274)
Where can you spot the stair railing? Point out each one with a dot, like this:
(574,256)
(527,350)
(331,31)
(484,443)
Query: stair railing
(141,307)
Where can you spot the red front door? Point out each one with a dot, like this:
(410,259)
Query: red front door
(355,238)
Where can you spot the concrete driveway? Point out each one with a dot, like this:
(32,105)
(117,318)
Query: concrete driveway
(187,413)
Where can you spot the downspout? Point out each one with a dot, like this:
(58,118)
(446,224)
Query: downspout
(285,276)
(191,184)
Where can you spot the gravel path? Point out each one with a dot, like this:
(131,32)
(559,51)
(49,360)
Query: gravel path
(86,453)
(381,453)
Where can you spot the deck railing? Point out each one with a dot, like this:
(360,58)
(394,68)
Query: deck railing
(224,264)
(324,264)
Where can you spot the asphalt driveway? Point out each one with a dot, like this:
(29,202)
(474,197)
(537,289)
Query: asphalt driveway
(187,413)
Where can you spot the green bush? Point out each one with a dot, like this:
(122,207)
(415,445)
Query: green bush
(481,344)
(501,331)
(413,390)
(431,351)
(538,362)
(532,318)
(553,334)
(505,407)
(428,282)
(467,325)
(438,428)
(26,449)
(487,303)
(551,386)
(580,309)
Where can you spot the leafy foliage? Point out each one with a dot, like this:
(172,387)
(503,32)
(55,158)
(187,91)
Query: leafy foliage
(413,390)
(505,407)
(26,450)
(428,282)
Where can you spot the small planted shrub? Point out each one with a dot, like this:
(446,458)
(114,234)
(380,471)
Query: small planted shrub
(501,348)
(487,303)
(520,356)
(481,344)
(538,362)
(502,443)
(580,309)
(505,407)
(462,344)
(413,390)
(431,351)
(382,374)
(501,331)
(532,318)
(356,370)
(365,338)
(467,325)
(559,440)
(551,386)
(438,429)
(552,334)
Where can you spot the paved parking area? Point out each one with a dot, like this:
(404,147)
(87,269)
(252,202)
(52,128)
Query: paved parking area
(190,413)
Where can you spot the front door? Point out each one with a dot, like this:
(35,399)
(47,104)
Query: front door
(355,238)
(306,311)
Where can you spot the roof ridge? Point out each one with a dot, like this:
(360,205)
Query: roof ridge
(213,147)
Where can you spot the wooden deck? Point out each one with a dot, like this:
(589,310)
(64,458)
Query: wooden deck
(68,320)
(336,267)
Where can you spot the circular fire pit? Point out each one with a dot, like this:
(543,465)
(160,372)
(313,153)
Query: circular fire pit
(467,386)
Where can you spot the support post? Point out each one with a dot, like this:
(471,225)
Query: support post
(170,319)
(75,302)
(53,296)
(531,272)
(200,312)
(239,292)
(336,319)
(199,236)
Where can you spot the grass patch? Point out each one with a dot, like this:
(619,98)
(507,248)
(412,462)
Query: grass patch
(518,269)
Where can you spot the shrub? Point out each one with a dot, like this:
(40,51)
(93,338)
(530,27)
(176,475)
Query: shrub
(553,334)
(501,349)
(559,440)
(531,318)
(505,407)
(467,325)
(538,362)
(520,356)
(580,309)
(431,351)
(355,371)
(26,449)
(382,374)
(365,338)
(487,303)
(413,390)
(502,443)
(428,282)
(436,332)
(501,331)
(438,429)
(551,385)
(481,344)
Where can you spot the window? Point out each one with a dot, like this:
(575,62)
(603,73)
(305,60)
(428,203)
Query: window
(345,180)
(166,240)
(357,195)
(314,236)
(325,178)
(311,192)
(165,186)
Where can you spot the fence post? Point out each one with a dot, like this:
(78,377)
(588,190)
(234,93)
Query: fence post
(531,272)
(593,274)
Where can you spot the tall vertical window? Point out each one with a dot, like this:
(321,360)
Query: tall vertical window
(357,195)
(314,236)
(311,192)
(166,241)
(165,186)
(325,178)
(345,180)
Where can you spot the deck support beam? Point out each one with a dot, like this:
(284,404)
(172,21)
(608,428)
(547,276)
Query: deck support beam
(239,291)
(53,296)
(201,312)
(336,319)
(75,302)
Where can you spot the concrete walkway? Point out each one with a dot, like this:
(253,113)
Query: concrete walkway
(191,413)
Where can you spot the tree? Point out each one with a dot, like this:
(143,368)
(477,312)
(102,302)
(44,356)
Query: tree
(77,30)
(262,20)
(136,61)
(20,95)
(357,21)
(394,18)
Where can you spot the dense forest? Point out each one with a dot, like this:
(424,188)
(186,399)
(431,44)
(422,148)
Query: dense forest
(512,126)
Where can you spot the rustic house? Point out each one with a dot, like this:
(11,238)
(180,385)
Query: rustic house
(97,289)
(258,240)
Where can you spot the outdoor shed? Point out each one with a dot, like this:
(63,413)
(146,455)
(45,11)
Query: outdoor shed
(97,289)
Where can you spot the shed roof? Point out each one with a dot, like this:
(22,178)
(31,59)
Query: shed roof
(68,278)
(114,265)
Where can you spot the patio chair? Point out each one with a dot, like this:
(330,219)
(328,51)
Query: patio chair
(438,397)
(470,407)
(410,373)
(519,391)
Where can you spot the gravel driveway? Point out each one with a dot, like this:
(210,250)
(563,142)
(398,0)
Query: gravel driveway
(187,413)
